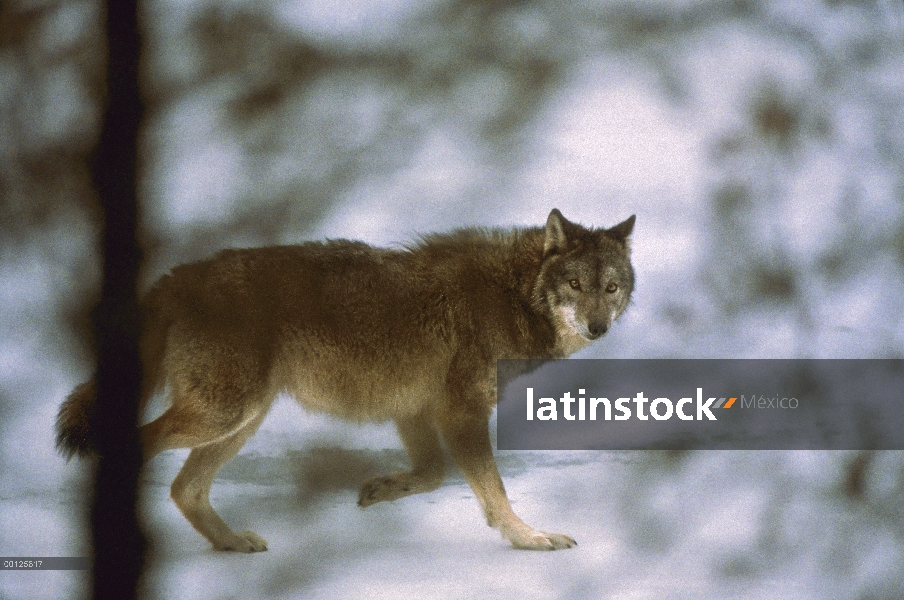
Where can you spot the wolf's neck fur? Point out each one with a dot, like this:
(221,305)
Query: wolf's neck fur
(510,258)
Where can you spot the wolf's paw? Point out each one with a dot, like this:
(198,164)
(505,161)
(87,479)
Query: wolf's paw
(245,541)
(541,540)
(381,489)
(398,485)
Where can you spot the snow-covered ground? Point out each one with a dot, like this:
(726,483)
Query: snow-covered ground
(649,525)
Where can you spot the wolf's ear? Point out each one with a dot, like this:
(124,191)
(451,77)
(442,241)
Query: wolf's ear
(555,239)
(621,231)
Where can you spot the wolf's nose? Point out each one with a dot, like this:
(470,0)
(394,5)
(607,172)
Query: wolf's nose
(597,329)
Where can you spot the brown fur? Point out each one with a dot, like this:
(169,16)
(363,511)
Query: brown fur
(365,334)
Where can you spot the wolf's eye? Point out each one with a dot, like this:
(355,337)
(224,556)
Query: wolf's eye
(612,287)
(575,284)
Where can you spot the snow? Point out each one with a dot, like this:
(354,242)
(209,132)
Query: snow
(726,524)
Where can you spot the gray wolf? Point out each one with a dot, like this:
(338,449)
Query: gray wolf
(410,335)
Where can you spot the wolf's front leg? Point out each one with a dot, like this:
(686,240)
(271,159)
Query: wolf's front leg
(468,438)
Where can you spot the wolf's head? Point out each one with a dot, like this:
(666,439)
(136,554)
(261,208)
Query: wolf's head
(585,278)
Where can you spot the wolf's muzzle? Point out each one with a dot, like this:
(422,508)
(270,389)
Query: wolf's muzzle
(597,329)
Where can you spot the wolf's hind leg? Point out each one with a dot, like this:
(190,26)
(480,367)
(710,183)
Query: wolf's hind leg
(468,438)
(421,441)
(191,489)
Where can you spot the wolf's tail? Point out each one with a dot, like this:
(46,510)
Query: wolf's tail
(76,421)
(73,424)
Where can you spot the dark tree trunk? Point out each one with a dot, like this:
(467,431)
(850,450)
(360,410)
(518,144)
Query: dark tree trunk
(118,541)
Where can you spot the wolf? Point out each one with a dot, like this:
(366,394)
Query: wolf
(409,334)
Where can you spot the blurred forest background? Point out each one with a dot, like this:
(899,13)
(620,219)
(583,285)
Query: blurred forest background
(761,144)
